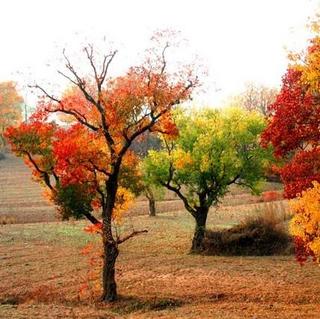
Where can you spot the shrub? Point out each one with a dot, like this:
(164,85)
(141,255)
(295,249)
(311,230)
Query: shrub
(260,235)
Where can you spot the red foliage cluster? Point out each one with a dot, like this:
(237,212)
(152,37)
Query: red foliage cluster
(293,131)
(94,228)
(300,172)
(295,117)
(302,251)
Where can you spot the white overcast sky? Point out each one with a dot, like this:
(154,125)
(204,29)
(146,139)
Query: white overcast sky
(238,40)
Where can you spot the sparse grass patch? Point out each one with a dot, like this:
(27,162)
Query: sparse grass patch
(129,305)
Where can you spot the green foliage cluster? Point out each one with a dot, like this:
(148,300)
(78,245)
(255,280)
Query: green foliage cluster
(214,150)
(73,201)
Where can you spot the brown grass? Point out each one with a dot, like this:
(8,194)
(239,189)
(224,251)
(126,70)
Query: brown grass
(21,198)
(41,271)
(262,234)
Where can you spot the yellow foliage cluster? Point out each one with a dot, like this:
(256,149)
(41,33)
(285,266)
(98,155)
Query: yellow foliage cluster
(182,159)
(48,195)
(124,200)
(306,221)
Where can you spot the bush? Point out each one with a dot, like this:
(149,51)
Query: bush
(261,235)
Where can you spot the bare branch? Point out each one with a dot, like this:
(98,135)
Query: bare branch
(105,65)
(44,175)
(134,233)
(164,62)
(177,190)
(101,170)
(91,218)
(51,97)
(68,78)
(79,117)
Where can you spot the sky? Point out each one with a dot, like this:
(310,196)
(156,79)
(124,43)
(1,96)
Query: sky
(239,41)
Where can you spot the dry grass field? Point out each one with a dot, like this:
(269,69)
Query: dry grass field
(21,198)
(41,268)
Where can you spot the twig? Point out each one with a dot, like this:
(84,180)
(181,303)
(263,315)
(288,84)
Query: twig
(134,233)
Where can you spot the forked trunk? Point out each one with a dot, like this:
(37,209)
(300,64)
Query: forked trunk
(199,232)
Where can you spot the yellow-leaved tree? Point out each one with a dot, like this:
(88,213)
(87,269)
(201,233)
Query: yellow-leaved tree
(305,225)
(10,108)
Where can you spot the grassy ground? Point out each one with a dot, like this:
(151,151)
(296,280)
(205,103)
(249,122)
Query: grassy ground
(41,273)
(21,199)
(42,270)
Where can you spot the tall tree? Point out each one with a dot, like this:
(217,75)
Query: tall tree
(10,108)
(214,150)
(255,98)
(293,130)
(109,114)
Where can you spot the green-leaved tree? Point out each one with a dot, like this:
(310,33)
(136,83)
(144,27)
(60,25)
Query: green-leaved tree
(214,150)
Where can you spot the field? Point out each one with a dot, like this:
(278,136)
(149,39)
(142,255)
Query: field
(41,268)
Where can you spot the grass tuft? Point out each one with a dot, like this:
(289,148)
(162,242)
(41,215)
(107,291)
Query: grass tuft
(130,305)
(262,234)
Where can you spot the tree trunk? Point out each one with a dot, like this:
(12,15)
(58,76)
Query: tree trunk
(108,274)
(110,247)
(152,207)
(199,233)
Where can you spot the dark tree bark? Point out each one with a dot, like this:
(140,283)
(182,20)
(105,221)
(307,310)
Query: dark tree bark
(108,275)
(151,200)
(152,207)
(199,232)
(109,243)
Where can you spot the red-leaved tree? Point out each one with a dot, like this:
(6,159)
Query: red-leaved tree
(86,163)
(293,130)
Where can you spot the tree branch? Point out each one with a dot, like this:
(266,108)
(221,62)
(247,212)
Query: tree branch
(44,175)
(188,207)
(91,218)
(134,233)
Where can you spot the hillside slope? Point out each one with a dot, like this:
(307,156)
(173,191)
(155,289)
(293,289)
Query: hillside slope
(21,198)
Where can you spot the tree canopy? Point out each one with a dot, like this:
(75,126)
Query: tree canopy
(10,108)
(214,149)
(91,157)
(293,131)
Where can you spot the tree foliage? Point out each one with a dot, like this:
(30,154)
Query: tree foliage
(91,157)
(255,98)
(305,223)
(214,149)
(10,108)
(293,130)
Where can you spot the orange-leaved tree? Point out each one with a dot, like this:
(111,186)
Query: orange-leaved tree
(305,224)
(10,108)
(90,159)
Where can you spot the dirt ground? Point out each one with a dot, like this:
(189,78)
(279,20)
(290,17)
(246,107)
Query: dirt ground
(42,270)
